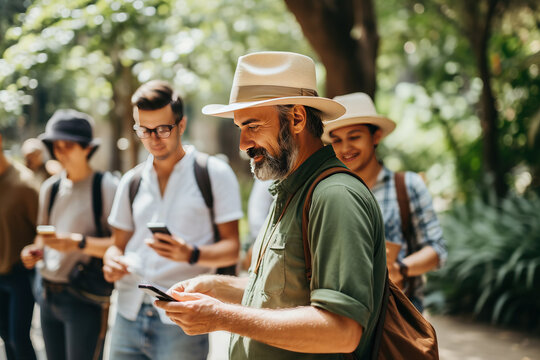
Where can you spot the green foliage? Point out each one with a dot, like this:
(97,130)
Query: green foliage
(493,265)
(88,54)
(428,83)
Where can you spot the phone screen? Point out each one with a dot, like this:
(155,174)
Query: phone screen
(152,290)
(158,228)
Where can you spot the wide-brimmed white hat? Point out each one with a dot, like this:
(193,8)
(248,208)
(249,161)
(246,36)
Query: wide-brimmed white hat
(360,110)
(275,78)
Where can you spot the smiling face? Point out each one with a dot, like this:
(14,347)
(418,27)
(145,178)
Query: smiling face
(160,148)
(268,140)
(355,146)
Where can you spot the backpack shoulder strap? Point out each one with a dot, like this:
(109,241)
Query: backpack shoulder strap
(203,180)
(135,184)
(404,210)
(97,202)
(307,205)
(52,196)
(202,177)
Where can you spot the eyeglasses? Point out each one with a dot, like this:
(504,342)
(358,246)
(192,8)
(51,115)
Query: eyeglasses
(161,131)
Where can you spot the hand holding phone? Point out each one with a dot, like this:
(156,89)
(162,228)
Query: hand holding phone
(152,290)
(158,228)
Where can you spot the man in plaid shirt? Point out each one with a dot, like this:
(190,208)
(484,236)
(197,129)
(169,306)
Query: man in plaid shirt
(354,137)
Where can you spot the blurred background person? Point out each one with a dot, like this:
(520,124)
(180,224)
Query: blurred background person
(354,137)
(259,203)
(35,157)
(76,202)
(18,215)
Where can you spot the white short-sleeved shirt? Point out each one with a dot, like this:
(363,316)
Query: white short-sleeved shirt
(183,210)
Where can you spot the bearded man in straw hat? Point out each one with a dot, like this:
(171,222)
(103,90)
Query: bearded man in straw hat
(277,313)
(420,244)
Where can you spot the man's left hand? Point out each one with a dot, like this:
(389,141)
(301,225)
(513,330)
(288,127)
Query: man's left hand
(195,313)
(170,247)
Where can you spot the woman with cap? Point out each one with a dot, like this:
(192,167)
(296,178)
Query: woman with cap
(77,203)
(354,137)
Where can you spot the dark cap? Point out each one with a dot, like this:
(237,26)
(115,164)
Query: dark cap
(70,125)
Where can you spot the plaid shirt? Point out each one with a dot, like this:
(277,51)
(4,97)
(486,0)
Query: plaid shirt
(425,225)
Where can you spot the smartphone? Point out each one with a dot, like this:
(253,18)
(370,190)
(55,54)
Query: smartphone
(159,228)
(152,290)
(46,230)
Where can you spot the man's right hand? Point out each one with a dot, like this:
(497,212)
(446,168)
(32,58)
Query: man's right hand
(203,284)
(114,268)
(30,255)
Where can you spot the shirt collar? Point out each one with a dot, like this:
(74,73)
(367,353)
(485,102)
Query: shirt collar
(184,161)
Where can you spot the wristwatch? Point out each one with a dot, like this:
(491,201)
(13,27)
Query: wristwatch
(82,243)
(194,255)
(403,269)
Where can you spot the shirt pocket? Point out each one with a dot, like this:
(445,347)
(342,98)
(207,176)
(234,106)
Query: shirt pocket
(274,266)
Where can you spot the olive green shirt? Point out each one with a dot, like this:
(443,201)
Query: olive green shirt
(346,237)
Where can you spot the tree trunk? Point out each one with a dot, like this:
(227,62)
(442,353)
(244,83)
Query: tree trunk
(479,37)
(121,117)
(344,35)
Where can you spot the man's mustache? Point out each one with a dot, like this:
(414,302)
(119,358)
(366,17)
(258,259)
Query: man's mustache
(252,152)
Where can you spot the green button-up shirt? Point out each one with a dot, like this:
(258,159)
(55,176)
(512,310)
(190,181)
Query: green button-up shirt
(346,236)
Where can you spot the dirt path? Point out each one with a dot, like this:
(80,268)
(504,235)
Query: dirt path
(461,339)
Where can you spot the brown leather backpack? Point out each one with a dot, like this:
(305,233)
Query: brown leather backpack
(401,331)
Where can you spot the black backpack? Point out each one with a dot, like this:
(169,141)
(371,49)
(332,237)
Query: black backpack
(86,278)
(203,182)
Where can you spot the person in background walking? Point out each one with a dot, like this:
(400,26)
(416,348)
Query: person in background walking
(34,155)
(18,215)
(355,137)
(73,301)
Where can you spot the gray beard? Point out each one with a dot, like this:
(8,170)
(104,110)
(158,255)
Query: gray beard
(277,168)
(270,168)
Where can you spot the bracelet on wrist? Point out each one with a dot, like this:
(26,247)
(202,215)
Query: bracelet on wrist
(194,255)
(82,242)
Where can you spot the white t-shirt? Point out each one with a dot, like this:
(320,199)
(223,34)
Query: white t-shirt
(259,204)
(71,213)
(183,210)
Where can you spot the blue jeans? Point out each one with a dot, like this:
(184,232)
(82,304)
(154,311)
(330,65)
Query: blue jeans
(148,338)
(16,308)
(71,326)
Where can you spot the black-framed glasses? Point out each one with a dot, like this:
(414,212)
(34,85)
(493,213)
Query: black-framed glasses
(161,131)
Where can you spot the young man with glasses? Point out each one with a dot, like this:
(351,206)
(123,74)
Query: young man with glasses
(167,193)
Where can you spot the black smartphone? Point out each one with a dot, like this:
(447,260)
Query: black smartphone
(152,290)
(158,228)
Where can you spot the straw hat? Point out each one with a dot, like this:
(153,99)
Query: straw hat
(360,110)
(275,78)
